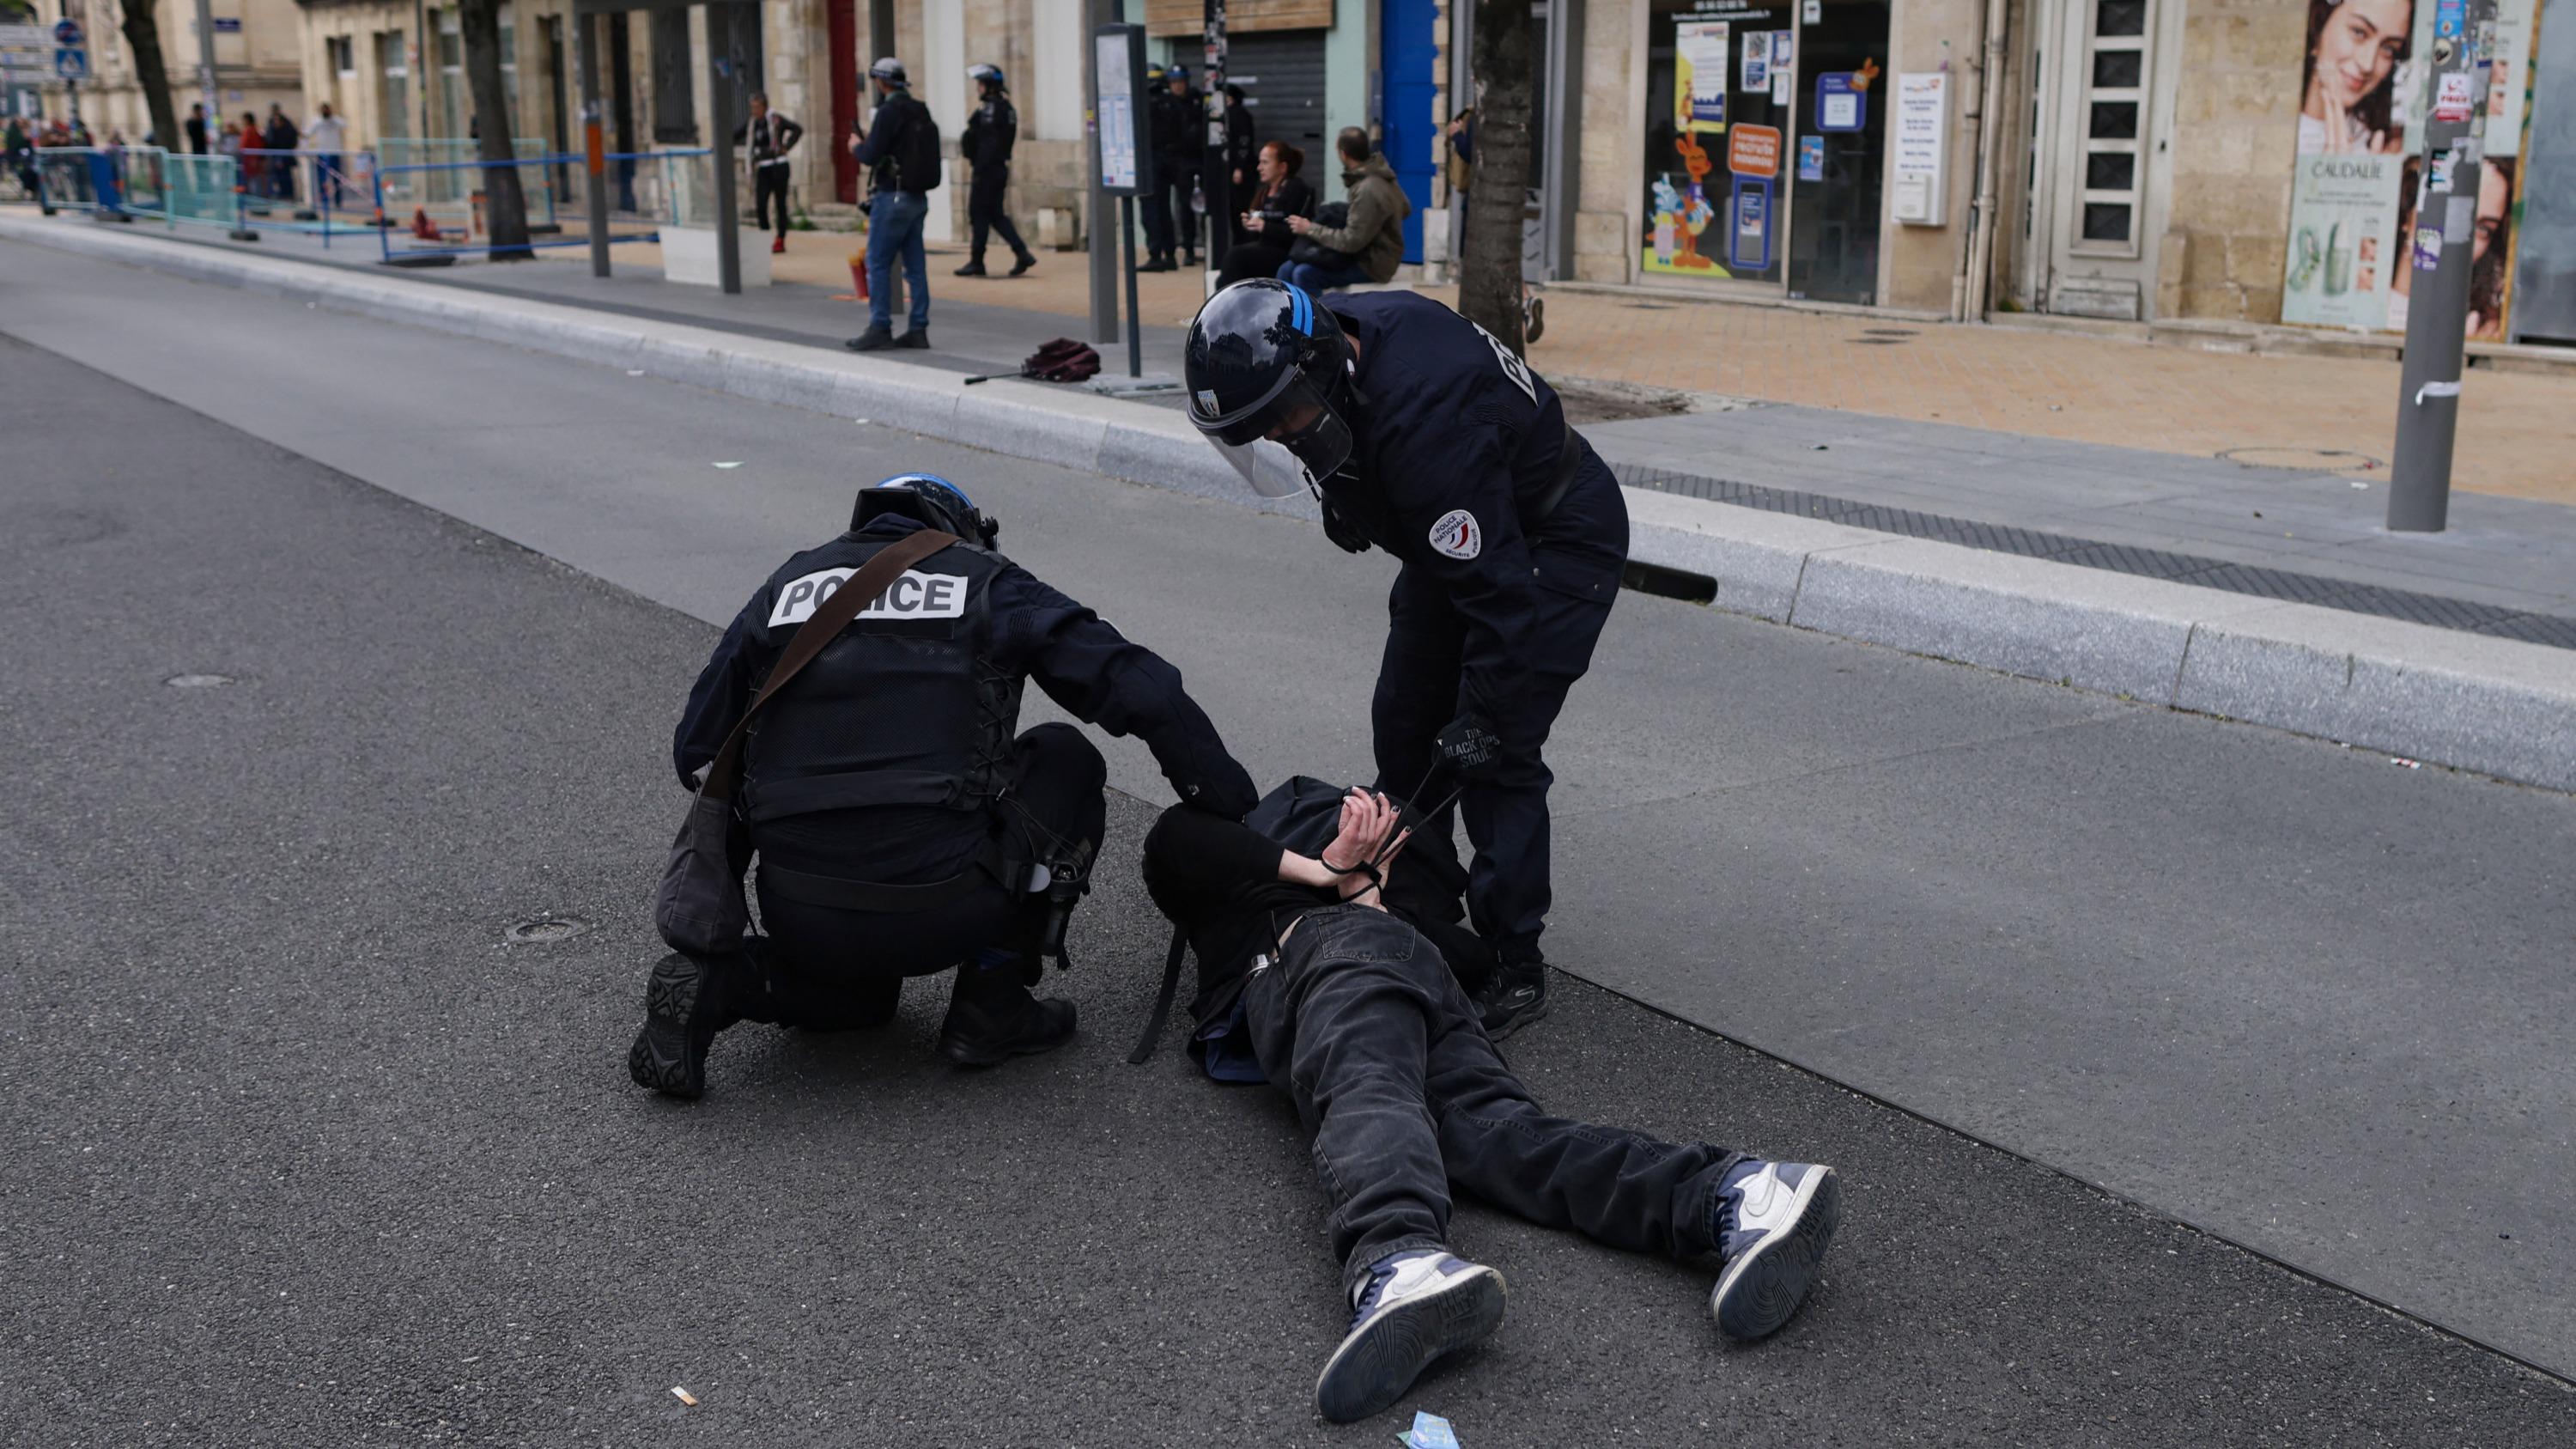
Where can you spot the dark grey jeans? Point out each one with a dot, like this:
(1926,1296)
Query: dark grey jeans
(1360,1022)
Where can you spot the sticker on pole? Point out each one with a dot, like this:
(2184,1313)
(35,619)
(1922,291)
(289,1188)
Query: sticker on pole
(2451,100)
(1457,535)
(2428,249)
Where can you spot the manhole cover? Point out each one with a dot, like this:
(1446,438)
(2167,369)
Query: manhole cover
(198,681)
(545,930)
(2326,460)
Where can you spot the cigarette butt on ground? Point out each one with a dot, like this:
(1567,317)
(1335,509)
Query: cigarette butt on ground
(684,1396)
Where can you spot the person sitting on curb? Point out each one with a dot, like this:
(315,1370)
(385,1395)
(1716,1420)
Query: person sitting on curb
(1345,1006)
(1369,245)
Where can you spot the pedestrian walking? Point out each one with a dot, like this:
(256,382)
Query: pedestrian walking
(280,139)
(900,148)
(253,149)
(1180,141)
(770,135)
(195,126)
(986,145)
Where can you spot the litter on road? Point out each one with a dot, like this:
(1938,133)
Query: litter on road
(1429,1431)
(684,1396)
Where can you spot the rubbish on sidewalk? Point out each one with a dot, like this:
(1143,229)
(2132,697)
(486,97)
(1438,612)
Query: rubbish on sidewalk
(634,372)
(858,279)
(1429,1431)
(684,1396)
(2403,763)
(1063,360)
(728,465)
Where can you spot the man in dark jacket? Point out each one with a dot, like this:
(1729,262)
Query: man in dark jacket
(903,824)
(1309,980)
(900,149)
(1427,437)
(281,137)
(1179,118)
(1369,244)
(770,136)
(986,146)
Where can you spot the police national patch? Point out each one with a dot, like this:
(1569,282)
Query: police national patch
(1458,534)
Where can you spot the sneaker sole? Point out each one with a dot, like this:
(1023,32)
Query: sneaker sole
(1371,1370)
(1760,1290)
(659,1060)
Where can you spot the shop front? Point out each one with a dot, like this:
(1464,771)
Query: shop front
(1766,140)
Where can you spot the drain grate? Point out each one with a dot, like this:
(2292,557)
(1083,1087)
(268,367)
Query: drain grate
(545,930)
(2442,612)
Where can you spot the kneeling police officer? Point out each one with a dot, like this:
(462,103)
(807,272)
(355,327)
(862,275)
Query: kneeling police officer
(1422,434)
(901,822)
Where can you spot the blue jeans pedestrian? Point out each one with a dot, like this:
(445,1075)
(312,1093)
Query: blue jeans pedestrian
(326,181)
(1316,278)
(894,226)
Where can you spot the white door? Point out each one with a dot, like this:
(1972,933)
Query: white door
(2105,101)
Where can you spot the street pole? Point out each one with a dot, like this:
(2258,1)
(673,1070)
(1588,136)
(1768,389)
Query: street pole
(420,72)
(720,141)
(1100,249)
(206,71)
(586,30)
(2442,254)
(1216,178)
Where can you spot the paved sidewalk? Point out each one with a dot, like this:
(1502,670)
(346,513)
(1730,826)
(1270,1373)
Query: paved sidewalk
(2503,553)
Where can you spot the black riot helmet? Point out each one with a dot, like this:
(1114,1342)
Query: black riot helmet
(1266,365)
(935,501)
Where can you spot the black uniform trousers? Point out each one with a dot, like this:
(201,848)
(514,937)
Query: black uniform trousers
(1170,225)
(1360,1022)
(1418,693)
(768,182)
(818,955)
(984,212)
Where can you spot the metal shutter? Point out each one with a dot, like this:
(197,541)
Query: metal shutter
(1282,75)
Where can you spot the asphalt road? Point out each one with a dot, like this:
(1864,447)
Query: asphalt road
(277,1048)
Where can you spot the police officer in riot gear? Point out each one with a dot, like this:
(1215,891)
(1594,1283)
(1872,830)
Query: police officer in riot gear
(986,147)
(1425,436)
(902,822)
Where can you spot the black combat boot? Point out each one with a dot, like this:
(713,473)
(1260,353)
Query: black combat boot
(686,1002)
(993,1017)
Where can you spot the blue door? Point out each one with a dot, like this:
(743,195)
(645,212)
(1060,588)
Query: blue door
(1405,44)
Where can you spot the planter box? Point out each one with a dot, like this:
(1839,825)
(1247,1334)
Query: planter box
(689,255)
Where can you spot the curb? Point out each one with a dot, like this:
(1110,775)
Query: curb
(2496,706)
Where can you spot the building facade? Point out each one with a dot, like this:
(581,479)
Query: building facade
(255,63)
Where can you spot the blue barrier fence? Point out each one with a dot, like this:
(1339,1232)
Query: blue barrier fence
(648,190)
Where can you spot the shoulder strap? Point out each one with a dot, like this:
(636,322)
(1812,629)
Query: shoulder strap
(834,615)
(1163,999)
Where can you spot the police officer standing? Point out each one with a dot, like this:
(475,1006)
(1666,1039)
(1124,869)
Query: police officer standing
(902,823)
(1179,127)
(1425,436)
(986,145)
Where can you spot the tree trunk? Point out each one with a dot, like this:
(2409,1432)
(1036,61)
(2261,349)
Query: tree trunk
(505,202)
(143,36)
(1489,281)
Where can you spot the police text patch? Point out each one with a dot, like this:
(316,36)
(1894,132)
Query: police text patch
(1458,535)
(913,596)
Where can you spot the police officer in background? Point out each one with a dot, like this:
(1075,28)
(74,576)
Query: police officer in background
(1179,129)
(986,145)
(1423,435)
(902,822)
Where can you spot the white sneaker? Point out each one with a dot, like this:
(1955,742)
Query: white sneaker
(1413,1309)
(1774,1222)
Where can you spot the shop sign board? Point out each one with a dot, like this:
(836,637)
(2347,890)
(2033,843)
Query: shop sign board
(1841,104)
(1753,150)
(1921,152)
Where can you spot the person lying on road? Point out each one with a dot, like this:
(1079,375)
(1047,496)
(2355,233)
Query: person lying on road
(1354,1013)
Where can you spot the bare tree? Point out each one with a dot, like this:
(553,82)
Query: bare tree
(505,202)
(1489,281)
(142,29)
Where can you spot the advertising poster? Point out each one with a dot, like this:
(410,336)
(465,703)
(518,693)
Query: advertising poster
(1757,61)
(1699,75)
(2367,88)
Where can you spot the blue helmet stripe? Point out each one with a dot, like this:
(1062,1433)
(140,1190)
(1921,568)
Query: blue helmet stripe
(1302,312)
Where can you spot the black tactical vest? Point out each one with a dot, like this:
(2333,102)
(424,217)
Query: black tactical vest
(905,707)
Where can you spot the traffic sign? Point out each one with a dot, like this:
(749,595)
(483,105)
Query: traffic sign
(71,65)
(67,33)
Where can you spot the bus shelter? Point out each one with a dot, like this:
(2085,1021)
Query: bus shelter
(727,100)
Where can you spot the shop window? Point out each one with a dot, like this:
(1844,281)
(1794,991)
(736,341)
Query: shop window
(2120,17)
(2105,222)
(2115,121)
(2118,70)
(2111,171)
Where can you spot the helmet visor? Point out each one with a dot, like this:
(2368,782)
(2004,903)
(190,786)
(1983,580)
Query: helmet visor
(1278,448)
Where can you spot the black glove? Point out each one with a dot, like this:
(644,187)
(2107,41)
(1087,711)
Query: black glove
(1471,747)
(1220,787)
(1341,531)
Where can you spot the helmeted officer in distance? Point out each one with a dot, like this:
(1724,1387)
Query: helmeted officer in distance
(1422,434)
(986,148)
(902,823)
